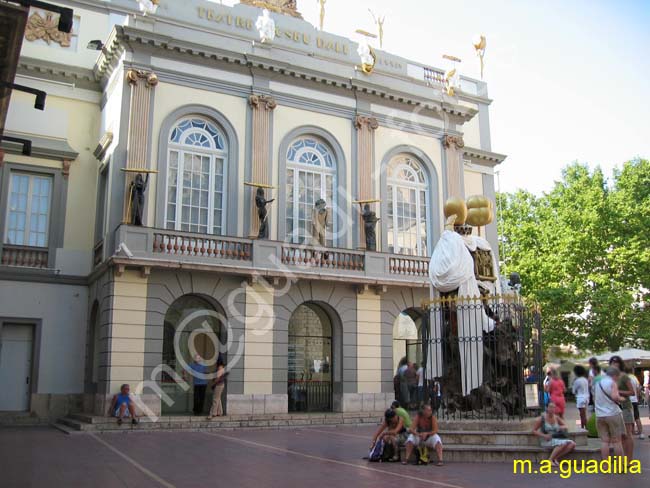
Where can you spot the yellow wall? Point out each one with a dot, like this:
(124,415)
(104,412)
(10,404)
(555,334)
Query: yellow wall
(369,343)
(77,122)
(171,97)
(127,341)
(473,183)
(258,350)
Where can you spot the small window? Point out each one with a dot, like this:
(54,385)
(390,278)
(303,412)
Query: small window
(28,212)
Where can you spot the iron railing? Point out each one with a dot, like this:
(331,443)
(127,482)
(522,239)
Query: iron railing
(482,357)
(310,396)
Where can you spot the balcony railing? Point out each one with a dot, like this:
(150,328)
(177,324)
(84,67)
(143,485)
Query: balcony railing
(182,244)
(273,258)
(409,265)
(327,258)
(24,256)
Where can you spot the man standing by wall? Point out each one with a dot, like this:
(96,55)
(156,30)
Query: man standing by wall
(199,370)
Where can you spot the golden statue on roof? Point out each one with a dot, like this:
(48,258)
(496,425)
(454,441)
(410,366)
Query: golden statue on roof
(286,7)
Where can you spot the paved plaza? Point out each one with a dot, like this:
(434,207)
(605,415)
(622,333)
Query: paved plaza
(310,457)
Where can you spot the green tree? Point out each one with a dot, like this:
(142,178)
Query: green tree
(582,253)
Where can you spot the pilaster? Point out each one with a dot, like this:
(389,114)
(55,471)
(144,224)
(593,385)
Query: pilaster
(142,84)
(454,156)
(262,107)
(366,127)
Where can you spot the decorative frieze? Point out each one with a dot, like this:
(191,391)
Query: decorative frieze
(47,29)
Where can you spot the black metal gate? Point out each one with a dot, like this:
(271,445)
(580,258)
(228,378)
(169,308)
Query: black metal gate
(483,357)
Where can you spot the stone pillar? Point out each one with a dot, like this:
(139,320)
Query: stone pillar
(454,156)
(262,106)
(366,127)
(142,84)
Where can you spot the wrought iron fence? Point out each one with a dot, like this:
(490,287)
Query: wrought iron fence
(482,357)
(310,396)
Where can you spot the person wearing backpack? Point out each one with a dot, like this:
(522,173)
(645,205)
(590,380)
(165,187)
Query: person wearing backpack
(387,434)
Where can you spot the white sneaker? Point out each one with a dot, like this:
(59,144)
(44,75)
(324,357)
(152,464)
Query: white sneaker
(641,436)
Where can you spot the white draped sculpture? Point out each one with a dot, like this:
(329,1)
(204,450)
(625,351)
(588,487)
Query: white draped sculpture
(265,25)
(452,268)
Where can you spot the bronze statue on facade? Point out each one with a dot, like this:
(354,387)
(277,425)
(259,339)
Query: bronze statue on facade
(319,222)
(369,225)
(261,202)
(138,189)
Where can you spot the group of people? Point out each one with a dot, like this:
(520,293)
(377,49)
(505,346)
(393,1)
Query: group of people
(614,395)
(122,405)
(409,384)
(398,429)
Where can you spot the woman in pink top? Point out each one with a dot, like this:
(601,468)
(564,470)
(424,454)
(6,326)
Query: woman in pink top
(556,389)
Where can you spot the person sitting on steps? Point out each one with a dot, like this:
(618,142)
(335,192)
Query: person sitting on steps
(391,430)
(122,406)
(553,431)
(424,431)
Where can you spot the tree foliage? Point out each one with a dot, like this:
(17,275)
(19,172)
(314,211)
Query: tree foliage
(582,252)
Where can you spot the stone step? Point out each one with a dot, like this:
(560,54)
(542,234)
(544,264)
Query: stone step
(468,453)
(66,429)
(502,438)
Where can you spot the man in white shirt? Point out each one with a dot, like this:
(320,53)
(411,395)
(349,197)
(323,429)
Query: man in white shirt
(609,417)
(420,373)
(635,405)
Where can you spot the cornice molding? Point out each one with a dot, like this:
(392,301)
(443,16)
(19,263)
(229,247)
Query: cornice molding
(81,77)
(128,38)
(485,158)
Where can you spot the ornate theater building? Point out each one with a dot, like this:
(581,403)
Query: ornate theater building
(224,182)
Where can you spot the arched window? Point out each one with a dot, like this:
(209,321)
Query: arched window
(311,175)
(196,177)
(408,201)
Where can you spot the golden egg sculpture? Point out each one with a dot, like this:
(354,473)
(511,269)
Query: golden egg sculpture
(456,206)
(479,210)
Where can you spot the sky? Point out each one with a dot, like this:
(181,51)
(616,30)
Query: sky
(570,79)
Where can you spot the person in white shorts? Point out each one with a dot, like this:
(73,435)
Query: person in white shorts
(424,430)
(580,389)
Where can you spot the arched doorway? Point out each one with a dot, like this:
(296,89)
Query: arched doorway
(310,358)
(193,325)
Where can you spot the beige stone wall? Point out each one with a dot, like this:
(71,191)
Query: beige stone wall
(258,348)
(369,343)
(127,336)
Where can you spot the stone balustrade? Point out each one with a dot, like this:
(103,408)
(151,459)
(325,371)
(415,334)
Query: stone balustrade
(270,258)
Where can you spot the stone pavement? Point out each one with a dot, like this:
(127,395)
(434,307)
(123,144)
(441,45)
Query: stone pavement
(312,457)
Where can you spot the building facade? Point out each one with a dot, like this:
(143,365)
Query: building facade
(176,120)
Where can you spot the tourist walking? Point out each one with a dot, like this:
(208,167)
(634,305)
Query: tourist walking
(556,388)
(646,389)
(635,405)
(550,427)
(412,382)
(594,370)
(403,384)
(420,375)
(199,376)
(609,418)
(424,432)
(625,391)
(580,390)
(218,385)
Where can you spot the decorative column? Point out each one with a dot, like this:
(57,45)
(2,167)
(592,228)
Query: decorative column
(142,84)
(454,158)
(262,106)
(366,127)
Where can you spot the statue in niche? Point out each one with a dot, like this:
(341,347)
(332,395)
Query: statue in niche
(319,222)
(138,189)
(261,202)
(369,225)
